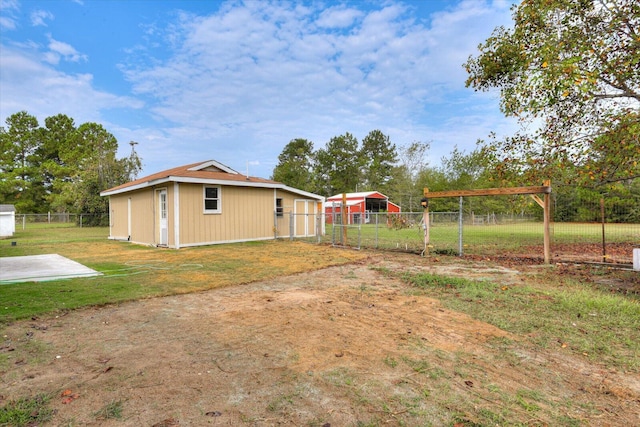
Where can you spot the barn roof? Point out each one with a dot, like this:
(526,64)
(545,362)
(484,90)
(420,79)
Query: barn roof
(207,172)
(360,195)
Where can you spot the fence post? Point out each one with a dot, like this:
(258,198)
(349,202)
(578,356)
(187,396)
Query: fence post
(546,208)
(344,212)
(424,202)
(604,245)
(377,214)
(460,253)
(24,221)
(291,226)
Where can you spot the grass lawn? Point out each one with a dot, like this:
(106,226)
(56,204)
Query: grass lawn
(485,239)
(134,271)
(563,313)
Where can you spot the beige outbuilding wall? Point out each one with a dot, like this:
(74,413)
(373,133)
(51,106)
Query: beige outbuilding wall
(132,216)
(245,214)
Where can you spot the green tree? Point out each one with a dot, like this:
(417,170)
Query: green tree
(573,64)
(57,135)
(295,165)
(337,168)
(21,182)
(466,171)
(405,188)
(378,156)
(92,152)
(60,167)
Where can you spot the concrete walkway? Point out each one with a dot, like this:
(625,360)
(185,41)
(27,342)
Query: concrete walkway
(36,268)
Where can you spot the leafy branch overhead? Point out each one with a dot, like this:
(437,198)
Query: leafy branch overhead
(570,70)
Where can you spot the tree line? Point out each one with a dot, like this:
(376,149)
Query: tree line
(568,70)
(401,172)
(60,167)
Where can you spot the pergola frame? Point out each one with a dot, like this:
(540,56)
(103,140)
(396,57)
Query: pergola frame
(545,203)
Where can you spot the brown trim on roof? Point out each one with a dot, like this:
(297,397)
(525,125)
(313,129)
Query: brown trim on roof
(192,173)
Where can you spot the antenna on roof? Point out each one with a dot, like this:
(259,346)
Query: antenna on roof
(247,170)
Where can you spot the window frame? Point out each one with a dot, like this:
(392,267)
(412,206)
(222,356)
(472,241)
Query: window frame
(279,207)
(218,199)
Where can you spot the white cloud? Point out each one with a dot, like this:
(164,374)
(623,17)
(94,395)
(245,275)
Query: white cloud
(60,50)
(39,17)
(338,17)
(9,14)
(264,70)
(28,84)
(238,84)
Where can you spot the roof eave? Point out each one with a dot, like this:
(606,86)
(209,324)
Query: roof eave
(188,180)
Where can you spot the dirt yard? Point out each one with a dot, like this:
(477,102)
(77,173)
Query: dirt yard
(342,346)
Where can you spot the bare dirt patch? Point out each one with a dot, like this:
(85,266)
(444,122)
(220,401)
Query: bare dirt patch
(340,346)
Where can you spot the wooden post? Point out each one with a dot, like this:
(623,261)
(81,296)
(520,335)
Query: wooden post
(425,221)
(547,224)
(604,244)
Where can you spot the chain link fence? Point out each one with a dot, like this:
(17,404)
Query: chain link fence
(28,221)
(599,231)
(606,233)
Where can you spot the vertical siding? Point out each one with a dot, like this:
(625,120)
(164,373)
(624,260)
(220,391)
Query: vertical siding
(142,220)
(246,214)
(118,217)
(283,224)
(304,221)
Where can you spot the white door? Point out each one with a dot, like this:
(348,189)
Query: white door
(162,214)
(304,213)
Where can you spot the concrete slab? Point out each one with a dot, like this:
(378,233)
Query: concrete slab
(37,268)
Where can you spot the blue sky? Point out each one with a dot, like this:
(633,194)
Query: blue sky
(235,81)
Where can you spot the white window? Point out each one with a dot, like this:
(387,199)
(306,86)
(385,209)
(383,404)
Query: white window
(212,200)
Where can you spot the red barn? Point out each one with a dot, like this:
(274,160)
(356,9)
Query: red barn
(358,207)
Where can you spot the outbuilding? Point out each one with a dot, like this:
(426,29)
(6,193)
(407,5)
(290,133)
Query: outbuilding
(7,220)
(358,207)
(209,203)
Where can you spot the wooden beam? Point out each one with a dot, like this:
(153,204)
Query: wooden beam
(546,208)
(488,192)
(538,200)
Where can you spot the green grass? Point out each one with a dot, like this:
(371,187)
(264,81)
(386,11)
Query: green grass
(132,271)
(110,411)
(527,233)
(488,239)
(26,411)
(547,310)
(602,326)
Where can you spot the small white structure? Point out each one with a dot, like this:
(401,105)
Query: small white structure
(7,220)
